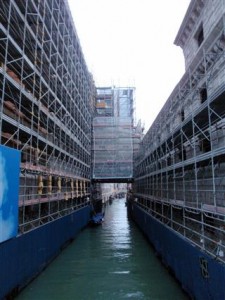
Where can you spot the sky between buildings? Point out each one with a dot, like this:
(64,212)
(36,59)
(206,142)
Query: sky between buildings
(130,43)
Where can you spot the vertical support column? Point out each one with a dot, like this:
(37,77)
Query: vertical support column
(77,189)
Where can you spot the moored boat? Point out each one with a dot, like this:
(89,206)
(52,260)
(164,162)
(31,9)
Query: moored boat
(97,219)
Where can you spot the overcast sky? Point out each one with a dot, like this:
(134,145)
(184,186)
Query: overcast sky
(130,43)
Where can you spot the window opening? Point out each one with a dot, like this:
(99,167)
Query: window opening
(200,36)
(203,94)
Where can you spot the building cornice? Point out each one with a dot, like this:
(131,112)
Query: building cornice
(189,21)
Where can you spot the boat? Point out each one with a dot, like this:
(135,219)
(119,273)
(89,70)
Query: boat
(177,198)
(97,219)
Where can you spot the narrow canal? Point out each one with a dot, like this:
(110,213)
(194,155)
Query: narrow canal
(110,262)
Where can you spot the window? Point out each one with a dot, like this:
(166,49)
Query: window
(205,145)
(199,35)
(203,94)
(182,115)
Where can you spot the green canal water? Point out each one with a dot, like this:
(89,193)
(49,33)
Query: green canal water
(110,262)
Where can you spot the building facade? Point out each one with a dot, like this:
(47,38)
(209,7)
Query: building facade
(47,95)
(113,126)
(46,103)
(179,174)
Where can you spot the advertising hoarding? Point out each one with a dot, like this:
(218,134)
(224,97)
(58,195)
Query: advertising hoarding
(9,192)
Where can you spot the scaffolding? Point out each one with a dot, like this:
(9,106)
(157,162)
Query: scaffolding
(180,168)
(113,135)
(47,96)
(113,148)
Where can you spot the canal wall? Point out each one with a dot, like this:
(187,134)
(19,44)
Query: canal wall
(200,275)
(24,257)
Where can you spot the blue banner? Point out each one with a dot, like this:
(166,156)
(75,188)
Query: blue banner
(9,192)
